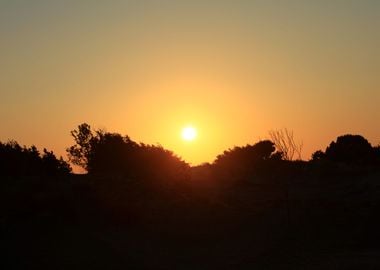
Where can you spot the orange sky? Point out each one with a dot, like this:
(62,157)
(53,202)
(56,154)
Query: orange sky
(232,69)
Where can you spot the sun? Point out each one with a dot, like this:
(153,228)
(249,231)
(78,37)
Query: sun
(189,133)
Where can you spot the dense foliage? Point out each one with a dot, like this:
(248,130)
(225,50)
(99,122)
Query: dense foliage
(243,162)
(351,150)
(18,160)
(105,153)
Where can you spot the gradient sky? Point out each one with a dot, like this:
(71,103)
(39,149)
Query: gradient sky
(233,69)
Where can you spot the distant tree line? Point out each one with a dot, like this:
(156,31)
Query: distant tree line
(267,158)
(28,161)
(259,196)
(105,153)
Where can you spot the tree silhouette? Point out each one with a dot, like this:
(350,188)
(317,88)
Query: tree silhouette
(112,153)
(79,153)
(318,155)
(17,160)
(348,149)
(243,161)
(101,152)
(51,165)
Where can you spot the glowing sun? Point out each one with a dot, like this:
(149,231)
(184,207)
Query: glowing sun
(189,133)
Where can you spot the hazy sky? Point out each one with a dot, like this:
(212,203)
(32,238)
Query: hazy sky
(233,69)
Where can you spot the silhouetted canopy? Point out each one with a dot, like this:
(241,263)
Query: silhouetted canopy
(348,149)
(101,152)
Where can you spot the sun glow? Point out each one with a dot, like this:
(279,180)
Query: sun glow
(189,133)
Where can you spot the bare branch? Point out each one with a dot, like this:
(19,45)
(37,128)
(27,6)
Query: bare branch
(285,143)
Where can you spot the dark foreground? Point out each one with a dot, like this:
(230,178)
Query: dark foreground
(82,222)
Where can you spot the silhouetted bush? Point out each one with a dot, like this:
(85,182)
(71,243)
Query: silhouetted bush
(101,152)
(242,162)
(22,161)
(52,165)
(351,150)
(318,155)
